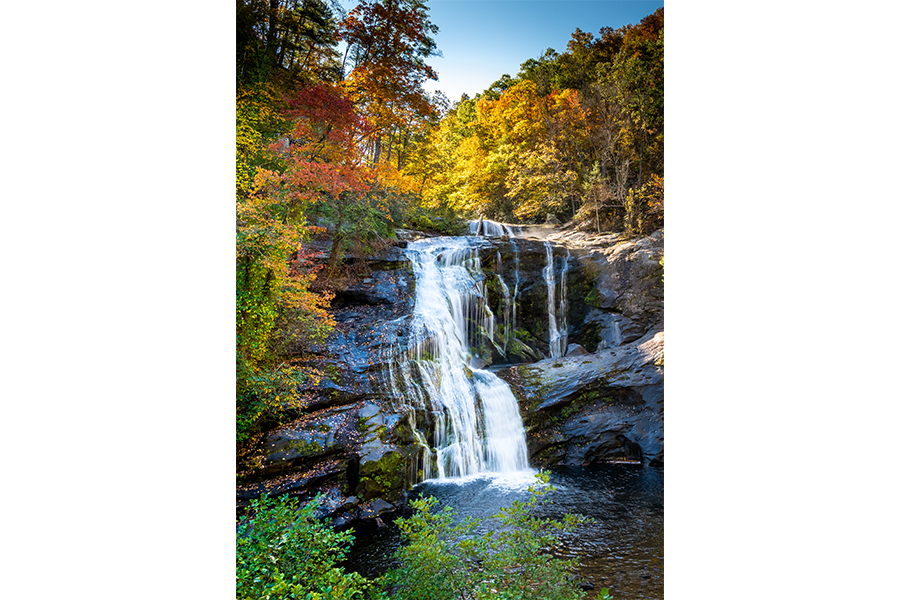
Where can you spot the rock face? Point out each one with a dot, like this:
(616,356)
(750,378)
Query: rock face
(588,408)
(600,400)
(344,444)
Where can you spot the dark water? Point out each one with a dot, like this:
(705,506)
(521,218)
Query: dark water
(622,549)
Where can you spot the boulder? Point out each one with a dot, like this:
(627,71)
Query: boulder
(576,350)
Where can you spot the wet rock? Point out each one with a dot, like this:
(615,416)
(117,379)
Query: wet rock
(384,287)
(330,502)
(411,235)
(593,407)
(375,509)
(552,381)
(314,436)
(576,350)
(614,289)
(380,506)
(300,483)
(343,520)
(383,471)
(590,408)
(350,503)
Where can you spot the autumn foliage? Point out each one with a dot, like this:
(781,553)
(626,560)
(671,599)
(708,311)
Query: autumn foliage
(320,149)
(577,134)
(333,151)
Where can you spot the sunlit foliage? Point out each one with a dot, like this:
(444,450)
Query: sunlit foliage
(445,560)
(320,150)
(569,136)
(284,552)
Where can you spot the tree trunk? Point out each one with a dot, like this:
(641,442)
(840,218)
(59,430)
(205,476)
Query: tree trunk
(390,147)
(337,241)
(272,28)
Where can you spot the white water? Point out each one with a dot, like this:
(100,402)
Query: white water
(515,296)
(478,428)
(558,331)
(507,300)
(493,229)
(563,333)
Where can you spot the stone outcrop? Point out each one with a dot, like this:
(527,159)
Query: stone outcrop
(343,443)
(588,408)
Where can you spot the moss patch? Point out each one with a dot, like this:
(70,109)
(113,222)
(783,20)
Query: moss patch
(382,478)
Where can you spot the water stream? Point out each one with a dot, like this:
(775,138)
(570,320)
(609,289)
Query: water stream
(556,317)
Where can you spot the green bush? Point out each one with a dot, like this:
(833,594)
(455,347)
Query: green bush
(267,397)
(284,553)
(444,561)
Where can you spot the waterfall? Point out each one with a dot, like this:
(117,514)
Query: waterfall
(505,449)
(515,295)
(558,332)
(492,229)
(477,426)
(504,289)
(563,333)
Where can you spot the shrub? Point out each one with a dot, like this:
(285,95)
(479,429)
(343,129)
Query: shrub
(444,561)
(284,553)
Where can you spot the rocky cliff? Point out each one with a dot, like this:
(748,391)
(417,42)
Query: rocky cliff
(600,399)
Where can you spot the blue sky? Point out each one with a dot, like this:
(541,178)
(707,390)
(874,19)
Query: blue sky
(482,40)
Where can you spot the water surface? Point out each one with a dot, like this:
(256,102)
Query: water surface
(622,549)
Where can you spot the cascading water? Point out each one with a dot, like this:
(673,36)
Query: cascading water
(558,331)
(563,332)
(477,426)
(492,228)
(516,277)
(507,300)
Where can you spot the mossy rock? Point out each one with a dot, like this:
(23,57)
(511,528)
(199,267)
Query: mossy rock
(385,477)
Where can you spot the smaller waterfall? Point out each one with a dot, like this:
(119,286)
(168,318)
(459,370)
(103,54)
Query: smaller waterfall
(616,334)
(611,333)
(517,278)
(563,333)
(558,332)
(492,228)
(551,302)
(504,289)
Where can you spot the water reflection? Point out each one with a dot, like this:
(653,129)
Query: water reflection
(622,549)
